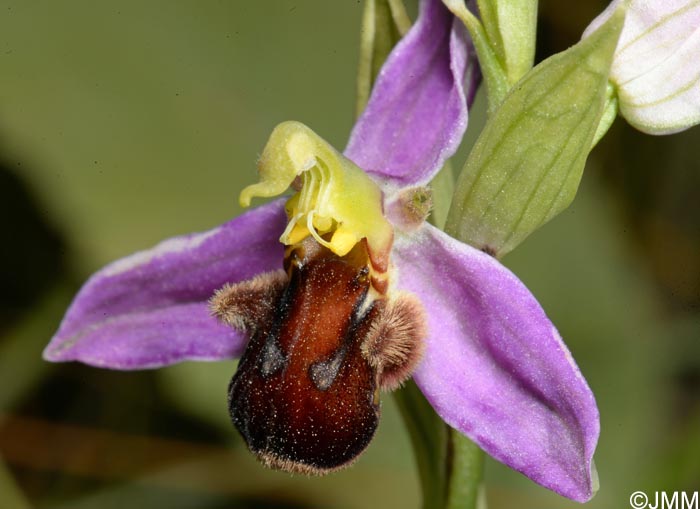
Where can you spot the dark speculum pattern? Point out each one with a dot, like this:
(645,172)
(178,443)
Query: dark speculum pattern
(304,396)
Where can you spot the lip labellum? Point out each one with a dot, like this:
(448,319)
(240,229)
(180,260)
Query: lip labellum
(306,394)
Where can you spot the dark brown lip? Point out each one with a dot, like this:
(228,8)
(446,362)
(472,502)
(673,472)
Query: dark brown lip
(323,342)
(304,397)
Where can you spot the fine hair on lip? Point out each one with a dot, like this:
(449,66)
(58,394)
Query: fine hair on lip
(245,305)
(395,343)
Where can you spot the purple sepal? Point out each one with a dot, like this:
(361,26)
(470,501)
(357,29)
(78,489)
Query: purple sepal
(495,367)
(150,309)
(417,113)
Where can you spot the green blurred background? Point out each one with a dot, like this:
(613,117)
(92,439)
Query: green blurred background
(122,123)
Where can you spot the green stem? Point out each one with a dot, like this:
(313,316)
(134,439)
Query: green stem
(450,466)
(429,439)
(466,465)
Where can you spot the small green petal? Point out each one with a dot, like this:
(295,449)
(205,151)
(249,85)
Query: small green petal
(526,165)
(443,186)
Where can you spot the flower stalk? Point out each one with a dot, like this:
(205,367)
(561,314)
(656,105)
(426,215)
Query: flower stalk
(450,466)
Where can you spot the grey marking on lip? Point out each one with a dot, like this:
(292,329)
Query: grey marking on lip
(323,373)
(272,358)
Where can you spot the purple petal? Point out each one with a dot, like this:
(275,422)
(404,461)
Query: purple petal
(417,113)
(150,309)
(495,367)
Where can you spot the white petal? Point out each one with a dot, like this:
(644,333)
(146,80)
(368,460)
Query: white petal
(657,64)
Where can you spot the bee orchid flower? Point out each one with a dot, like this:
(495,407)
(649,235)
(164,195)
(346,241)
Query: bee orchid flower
(655,72)
(344,289)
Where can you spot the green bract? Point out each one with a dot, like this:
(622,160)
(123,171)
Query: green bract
(609,114)
(526,165)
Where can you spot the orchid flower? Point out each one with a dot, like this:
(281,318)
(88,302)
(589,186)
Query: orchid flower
(656,70)
(416,301)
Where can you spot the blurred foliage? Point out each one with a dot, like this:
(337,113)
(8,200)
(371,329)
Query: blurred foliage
(122,123)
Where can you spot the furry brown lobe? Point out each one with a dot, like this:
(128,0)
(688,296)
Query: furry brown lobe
(395,342)
(248,304)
